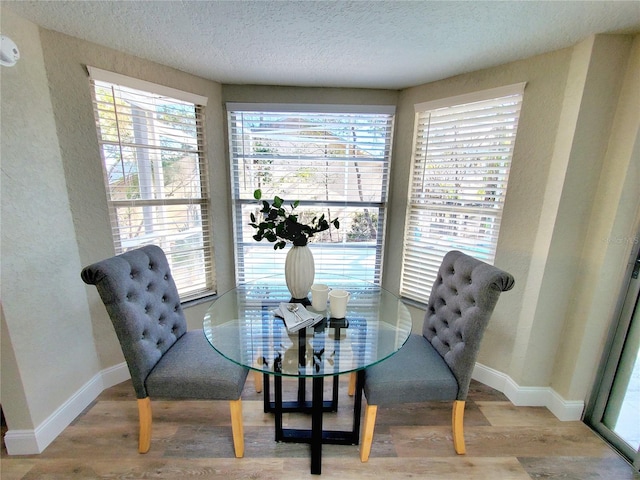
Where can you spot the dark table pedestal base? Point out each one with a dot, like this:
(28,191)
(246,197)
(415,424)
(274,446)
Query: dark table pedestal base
(316,436)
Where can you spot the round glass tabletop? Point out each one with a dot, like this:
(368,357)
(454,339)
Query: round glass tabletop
(241,325)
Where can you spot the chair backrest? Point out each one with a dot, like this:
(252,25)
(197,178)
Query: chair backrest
(143,303)
(462,300)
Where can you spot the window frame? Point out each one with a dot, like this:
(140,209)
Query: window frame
(189,258)
(243,200)
(469,208)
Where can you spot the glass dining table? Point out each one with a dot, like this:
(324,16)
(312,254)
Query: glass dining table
(240,324)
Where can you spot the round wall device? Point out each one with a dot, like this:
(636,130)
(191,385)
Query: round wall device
(9,53)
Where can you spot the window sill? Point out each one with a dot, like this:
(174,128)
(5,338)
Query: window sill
(197,301)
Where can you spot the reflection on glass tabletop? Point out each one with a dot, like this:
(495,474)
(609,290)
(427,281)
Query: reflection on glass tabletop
(241,325)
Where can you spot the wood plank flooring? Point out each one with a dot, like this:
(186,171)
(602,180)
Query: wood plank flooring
(193,440)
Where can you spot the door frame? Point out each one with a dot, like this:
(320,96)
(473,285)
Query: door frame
(628,301)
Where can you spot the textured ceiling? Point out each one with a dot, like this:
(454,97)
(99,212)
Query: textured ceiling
(369,44)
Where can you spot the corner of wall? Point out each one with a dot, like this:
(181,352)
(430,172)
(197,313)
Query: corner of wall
(612,224)
(564,410)
(35,441)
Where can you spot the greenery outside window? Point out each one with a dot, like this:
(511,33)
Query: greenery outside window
(152,148)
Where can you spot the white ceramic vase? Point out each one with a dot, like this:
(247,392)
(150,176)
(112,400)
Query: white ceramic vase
(299,271)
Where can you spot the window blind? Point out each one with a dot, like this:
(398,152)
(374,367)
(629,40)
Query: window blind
(155,176)
(460,168)
(333,162)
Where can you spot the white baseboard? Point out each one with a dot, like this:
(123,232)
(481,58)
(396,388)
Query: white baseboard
(29,442)
(565,410)
(115,375)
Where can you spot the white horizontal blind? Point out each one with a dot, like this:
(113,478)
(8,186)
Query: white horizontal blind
(335,163)
(460,168)
(155,176)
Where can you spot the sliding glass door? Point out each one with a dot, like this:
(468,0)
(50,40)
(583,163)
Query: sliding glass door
(615,410)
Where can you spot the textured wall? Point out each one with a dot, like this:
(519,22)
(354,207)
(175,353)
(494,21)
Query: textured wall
(66,59)
(597,68)
(613,233)
(54,213)
(44,304)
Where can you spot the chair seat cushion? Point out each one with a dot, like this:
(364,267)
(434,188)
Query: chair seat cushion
(416,373)
(192,369)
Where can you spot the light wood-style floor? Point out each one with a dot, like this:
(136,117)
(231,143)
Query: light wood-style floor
(193,440)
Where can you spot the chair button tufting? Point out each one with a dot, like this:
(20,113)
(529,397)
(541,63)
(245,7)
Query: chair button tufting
(166,277)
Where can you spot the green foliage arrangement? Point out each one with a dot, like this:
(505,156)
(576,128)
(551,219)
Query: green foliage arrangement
(280,226)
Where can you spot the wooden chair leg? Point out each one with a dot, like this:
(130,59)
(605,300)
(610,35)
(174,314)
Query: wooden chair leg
(367,432)
(458,427)
(352,384)
(144,412)
(257,380)
(237,427)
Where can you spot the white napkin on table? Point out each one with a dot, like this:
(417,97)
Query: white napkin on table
(293,322)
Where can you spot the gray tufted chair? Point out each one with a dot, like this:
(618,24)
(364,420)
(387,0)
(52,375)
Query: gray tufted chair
(164,359)
(437,365)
